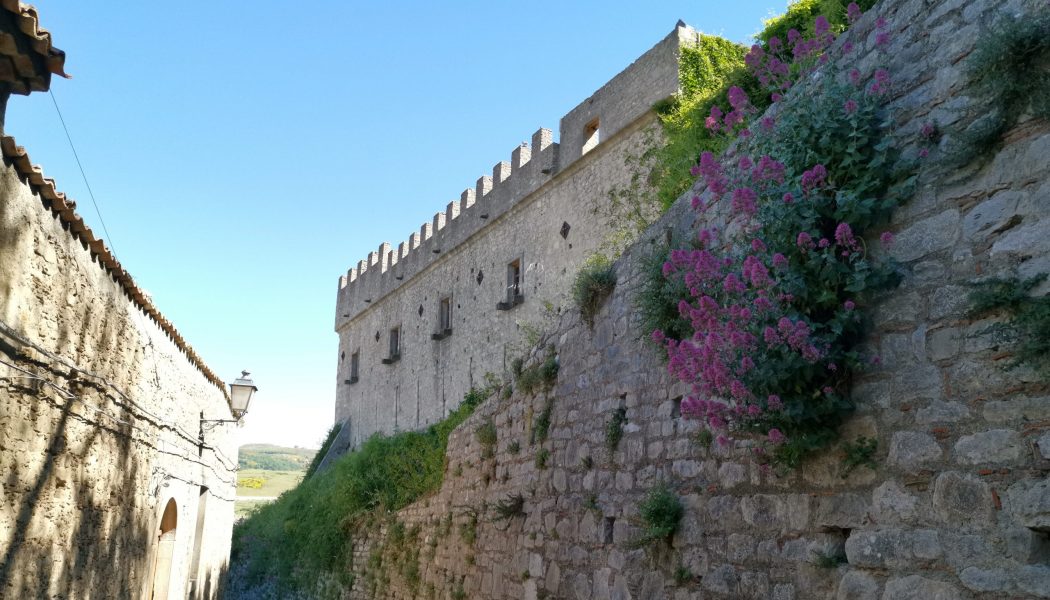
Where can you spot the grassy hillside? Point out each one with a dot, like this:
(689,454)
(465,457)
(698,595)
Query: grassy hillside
(275,458)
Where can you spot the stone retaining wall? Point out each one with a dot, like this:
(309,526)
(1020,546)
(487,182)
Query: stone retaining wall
(958,506)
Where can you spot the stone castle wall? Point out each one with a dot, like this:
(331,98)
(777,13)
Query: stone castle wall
(100,408)
(548,207)
(958,506)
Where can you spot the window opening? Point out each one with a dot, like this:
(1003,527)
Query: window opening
(591,135)
(395,346)
(514,286)
(444,319)
(355,364)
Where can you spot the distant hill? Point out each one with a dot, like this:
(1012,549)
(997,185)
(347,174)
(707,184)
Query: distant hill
(275,458)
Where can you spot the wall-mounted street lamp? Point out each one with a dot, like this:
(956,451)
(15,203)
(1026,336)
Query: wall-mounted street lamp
(241,391)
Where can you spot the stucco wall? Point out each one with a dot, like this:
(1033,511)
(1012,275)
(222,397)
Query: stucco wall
(99,418)
(548,207)
(959,504)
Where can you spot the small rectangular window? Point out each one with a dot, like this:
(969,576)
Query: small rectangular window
(591,136)
(513,280)
(515,286)
(445,314)
(355,364)
(444,328)
(395,347)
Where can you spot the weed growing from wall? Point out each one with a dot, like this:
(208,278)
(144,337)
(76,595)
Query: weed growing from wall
(1008,75)
(661,512)
(1027,318)
(859,453)
(614,429)
(593,284)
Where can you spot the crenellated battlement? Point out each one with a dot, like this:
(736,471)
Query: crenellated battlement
(528,168)
(624,99)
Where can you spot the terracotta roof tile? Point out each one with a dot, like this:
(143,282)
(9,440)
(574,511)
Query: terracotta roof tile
(65,209)
(20,67)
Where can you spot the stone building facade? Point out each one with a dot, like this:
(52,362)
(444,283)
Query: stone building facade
(957,506)
(111,483)
(422,323)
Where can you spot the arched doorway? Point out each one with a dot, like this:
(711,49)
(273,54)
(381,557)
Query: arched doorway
(165,551)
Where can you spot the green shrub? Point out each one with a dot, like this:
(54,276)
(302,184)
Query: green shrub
(510,507)
(614,429)
(541,426)
(594,282)
(1006,73)
(859,452)
(657,301)
(306,531)
(542,456)
(486,435)
(514,447)
(1028,318)
(539,376)
(661,511)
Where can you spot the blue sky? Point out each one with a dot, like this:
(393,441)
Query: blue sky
(244,155)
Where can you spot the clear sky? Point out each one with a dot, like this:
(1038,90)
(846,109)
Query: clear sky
(245,154)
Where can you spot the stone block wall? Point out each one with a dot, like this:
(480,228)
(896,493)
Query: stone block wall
(100,408)
(958,506)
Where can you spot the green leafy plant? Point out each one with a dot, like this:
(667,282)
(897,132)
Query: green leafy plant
(587,463)
(468,530)
(304,532)
(542,424)
(1028,317)
(683,576)
(514,447)
(830,560)
(542,456)
(594,282)
(486,436)
(539,376)
(661,512)
(703,438)
(859,452)
(592,503)
(510,507)
(614,429)
(1006,73)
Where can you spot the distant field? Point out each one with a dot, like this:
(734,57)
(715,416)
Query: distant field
(271,484)
(275,458)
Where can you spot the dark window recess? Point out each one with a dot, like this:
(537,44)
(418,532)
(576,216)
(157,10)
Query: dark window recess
(444,319)
(355,363)
(481,276)
(421,310)
(515,294)
(610,523)
(565,227)
(395,347)
(676,408)
(377,336)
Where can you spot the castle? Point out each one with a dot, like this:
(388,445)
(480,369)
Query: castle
(116,446)
(421,324)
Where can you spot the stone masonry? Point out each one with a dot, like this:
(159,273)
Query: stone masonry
(958,506)
(107,489)
(548,209)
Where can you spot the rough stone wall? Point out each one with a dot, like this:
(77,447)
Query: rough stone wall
(99,421)
(957,508)
(548,207)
